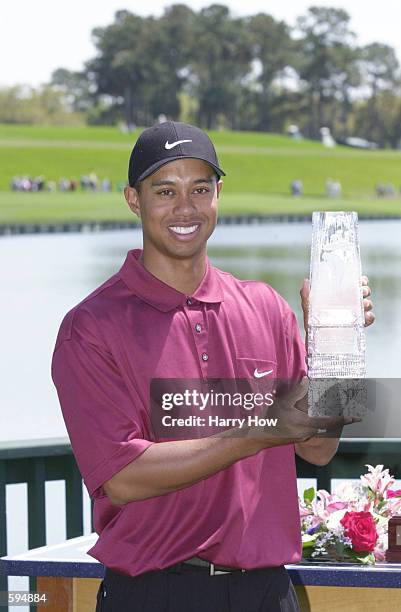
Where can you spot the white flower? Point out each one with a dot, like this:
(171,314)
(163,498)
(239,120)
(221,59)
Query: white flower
(349,491)
(333,522)
(393,506)
(377,479)
(307,539)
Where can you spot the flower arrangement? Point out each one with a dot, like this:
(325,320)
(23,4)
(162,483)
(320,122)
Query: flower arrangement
(351,523)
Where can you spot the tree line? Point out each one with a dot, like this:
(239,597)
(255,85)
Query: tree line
(246,73)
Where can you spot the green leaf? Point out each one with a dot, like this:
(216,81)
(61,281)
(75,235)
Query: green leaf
(308,541)
(365,558)
(369,559)
(309,495)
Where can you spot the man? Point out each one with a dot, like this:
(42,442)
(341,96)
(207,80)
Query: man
(205,523)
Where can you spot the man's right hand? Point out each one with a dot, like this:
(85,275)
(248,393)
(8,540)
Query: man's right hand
(293,424)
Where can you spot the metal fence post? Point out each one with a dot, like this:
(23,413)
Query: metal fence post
(73,494)
(3,521)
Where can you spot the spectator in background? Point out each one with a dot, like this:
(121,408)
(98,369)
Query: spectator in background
(23,183)
(294,132)
(15,181)
(84,181)
(93,181)
(106,185)
(390,190)
(38,183)
(333,188)
(297,188)
(64,184)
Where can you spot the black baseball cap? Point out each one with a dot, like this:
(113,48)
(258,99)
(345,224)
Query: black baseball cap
(165,142)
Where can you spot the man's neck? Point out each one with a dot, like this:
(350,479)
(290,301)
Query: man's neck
(184,275)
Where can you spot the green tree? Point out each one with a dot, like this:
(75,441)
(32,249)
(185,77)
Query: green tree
(381,74)
(119,69)
(22,104)
(76,88)
(327,61)
(273,51)
(167,45)
(140,63)
(221,58)
(386,129)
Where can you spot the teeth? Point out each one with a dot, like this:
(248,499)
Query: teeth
(178,229)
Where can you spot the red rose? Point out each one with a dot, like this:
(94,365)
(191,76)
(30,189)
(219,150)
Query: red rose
(361,529)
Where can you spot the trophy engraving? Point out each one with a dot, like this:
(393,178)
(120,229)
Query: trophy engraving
(336,335)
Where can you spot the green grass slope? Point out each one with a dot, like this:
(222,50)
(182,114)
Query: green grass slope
(259,167)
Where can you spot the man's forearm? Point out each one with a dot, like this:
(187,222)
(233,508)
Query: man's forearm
(317,450)
(170,466)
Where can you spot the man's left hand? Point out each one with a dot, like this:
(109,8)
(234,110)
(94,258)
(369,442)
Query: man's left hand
(367,302)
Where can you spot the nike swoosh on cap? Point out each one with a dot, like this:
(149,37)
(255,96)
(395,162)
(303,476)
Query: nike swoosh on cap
(258,374)
(174,144)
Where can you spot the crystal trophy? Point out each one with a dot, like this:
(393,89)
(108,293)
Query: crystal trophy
(336,335)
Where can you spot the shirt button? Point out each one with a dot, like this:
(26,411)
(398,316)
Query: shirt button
(198,327)
(189,302)
(205,356)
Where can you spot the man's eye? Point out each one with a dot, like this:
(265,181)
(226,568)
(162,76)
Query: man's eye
(202,190)
(165,192)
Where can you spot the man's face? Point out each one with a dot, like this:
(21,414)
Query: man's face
(178,208)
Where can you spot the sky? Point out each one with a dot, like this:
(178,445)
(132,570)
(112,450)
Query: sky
(38,37)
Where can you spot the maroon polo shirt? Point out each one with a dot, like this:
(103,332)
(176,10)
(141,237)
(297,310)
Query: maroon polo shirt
(134,328)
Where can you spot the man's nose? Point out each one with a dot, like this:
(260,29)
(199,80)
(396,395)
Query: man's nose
(184,203)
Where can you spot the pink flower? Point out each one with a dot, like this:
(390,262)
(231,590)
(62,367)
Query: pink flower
(377,479)
(391,493)
(380,555)
(381,544)
(393,506)
(339,505)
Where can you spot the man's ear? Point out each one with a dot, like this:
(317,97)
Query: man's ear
(219,186)
(132,198)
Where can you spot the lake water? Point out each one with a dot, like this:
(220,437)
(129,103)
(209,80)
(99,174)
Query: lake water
(43,276)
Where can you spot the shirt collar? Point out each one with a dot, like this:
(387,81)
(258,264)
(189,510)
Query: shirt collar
(155,292)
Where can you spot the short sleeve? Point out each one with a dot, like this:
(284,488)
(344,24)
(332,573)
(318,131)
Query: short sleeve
(102,420)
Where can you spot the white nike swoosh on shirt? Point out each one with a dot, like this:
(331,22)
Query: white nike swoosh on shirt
(174,144)
(261,374)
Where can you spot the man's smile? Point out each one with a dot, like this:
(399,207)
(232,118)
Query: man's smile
(184,231)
